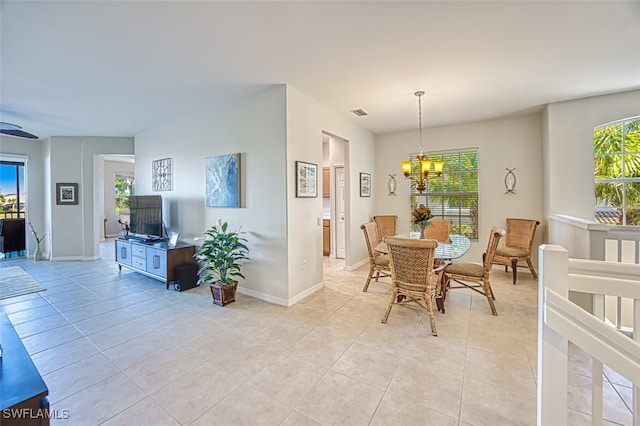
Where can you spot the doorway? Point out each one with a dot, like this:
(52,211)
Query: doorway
(114,183)
(340,211)
(12,208)
(335,191)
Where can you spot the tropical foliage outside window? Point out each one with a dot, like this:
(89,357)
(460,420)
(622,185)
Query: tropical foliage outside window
(616,172)
(453,195)
(124,188)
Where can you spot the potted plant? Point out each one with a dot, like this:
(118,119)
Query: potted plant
(421,216)
(220,257)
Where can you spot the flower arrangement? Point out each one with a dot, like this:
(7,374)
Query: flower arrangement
(35,233)
(421,215)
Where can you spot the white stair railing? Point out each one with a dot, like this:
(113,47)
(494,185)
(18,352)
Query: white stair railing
(586,239)
(561,321)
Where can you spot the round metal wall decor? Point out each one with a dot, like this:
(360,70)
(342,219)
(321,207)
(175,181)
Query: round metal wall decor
(510,181)
(392,184)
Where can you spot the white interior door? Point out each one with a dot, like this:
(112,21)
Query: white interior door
(339,216)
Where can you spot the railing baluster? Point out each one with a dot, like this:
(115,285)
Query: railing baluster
(596,368)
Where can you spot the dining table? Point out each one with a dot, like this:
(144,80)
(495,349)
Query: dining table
(444,253)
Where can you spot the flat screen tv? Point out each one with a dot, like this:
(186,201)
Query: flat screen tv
(146,215)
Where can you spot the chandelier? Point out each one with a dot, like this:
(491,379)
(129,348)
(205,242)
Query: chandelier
(419,182)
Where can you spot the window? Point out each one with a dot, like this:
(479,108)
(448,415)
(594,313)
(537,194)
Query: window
(12,195)
(124,188)
(453,195)
(616,171)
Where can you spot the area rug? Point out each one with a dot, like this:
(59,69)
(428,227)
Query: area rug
(14,281)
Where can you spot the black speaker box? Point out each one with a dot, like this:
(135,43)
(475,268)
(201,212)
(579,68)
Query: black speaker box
(185,277)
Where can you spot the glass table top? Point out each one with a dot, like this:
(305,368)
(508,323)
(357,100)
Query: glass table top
(459,246)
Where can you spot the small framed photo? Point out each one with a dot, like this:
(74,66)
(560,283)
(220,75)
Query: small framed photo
(173,239)
(306,180)
(365,185)
(66,193)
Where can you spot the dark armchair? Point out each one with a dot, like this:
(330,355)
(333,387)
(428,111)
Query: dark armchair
(12,236)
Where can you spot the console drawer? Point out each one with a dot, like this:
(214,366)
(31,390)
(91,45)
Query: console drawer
(138,262)
(137,250)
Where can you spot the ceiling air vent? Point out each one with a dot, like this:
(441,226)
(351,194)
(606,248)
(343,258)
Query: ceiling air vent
(359,112)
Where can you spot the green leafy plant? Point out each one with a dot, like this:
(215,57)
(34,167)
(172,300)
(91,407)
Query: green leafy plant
(221,255)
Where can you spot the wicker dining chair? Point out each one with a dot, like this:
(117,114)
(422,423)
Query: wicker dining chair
(378,262)
(438,229)
(476,276)
(386,225)
(517,247)
(412,275)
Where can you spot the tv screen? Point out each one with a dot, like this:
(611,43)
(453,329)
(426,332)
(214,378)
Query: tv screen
(146,215)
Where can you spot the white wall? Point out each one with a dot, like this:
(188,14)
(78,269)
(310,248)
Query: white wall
(513,142)
(255,127)
(568,149)
(272,130)
(75,229)
(306,121)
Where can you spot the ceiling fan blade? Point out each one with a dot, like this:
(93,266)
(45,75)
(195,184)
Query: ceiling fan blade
(15,130)
(9,126)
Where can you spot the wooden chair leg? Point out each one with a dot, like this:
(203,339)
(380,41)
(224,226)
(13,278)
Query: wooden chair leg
(533,271)
(429,301)
(488,292)
(391,302)
(493,295)
(514,266)
(366,285)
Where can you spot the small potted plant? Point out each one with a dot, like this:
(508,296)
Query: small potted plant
(220,257)
(421,216)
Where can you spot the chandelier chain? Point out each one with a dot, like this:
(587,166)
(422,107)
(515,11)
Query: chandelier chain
(420,163)
(419,95)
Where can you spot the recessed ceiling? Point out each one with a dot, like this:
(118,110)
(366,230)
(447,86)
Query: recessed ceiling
(112,68)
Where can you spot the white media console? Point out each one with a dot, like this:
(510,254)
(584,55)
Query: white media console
(157,259)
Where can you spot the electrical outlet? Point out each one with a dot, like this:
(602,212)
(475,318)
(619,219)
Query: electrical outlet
(318,221)
(304,264)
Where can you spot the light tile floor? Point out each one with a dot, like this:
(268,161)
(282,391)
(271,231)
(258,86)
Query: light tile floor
(117,348)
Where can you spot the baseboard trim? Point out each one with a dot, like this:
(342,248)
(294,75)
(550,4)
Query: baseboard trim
(356,265)
(64,258)
(278,300)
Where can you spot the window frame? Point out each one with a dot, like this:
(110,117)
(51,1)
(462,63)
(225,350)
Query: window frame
(20,182)
(619,210)
(459,221)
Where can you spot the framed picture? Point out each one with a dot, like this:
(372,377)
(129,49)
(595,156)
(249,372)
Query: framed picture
(223,181)
(306,180)
(67,193)
(173,239)
(365,185)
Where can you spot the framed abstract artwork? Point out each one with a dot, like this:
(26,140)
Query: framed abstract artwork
(223,181)
(306,180)
(66,193)
(162,174)
(365,185)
